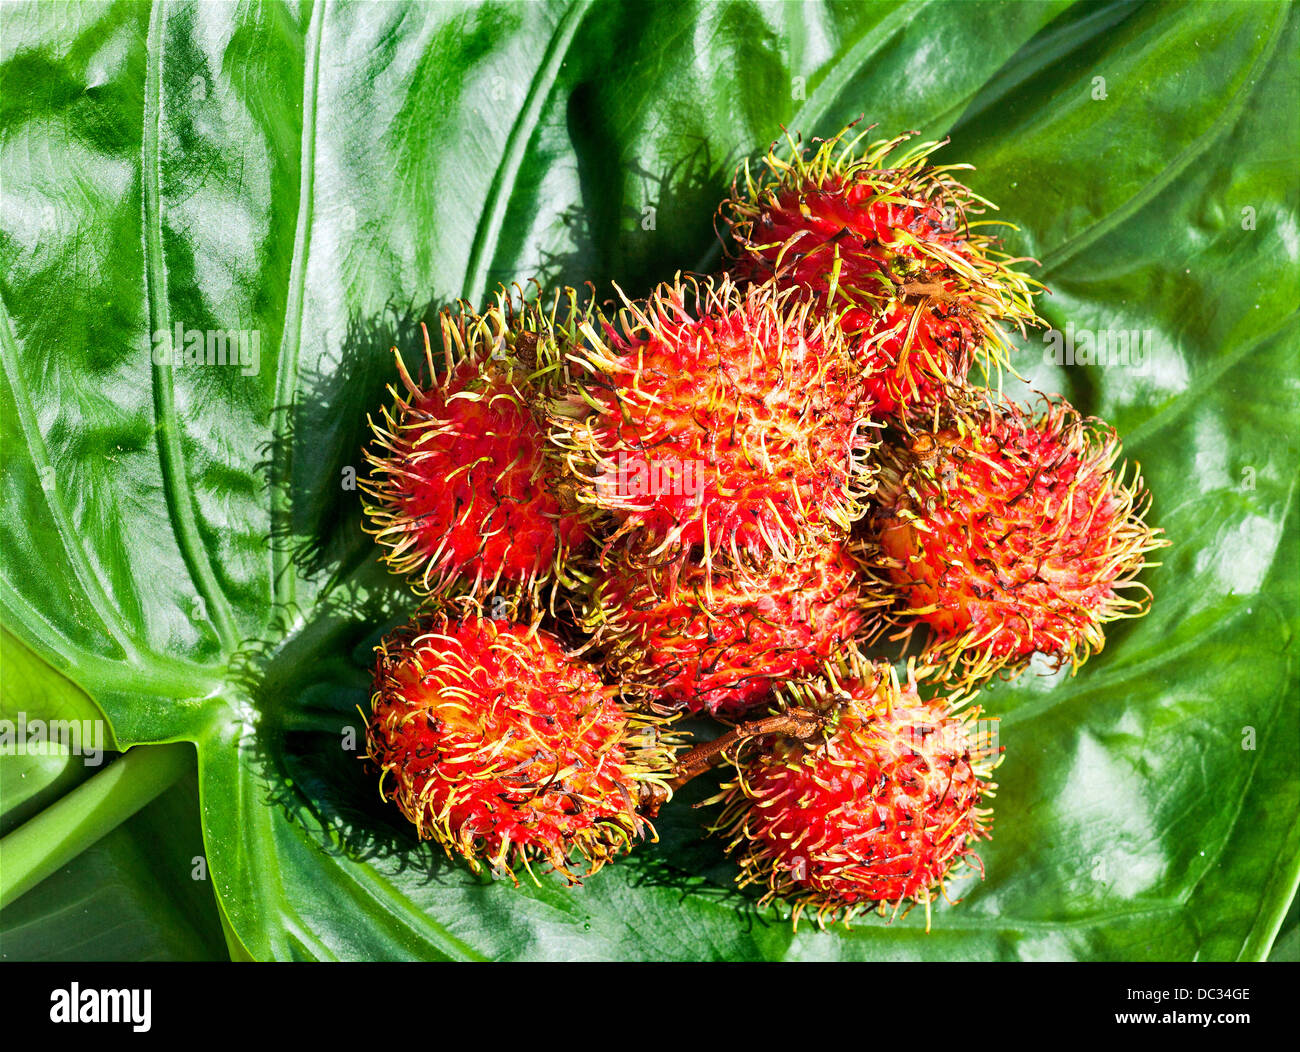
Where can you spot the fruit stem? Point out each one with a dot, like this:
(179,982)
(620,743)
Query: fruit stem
(932,290)
(794,723)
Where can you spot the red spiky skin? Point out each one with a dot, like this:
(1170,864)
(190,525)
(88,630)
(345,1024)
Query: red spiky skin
(463,494)
(880,811)
(717,642)
(806,226)
(1011,533)
(502,747)
(910,367)
(884,243)
(724,422)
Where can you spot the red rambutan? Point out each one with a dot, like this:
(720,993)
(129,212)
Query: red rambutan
(719,420)
(879,807)
(462,493)
(1012,533)
(885,241)
(504,748)
(718,641)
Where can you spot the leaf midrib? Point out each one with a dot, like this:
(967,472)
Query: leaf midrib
(175,474)
(283,575)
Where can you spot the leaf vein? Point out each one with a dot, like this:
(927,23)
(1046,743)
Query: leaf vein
(283,580)
(68,536)
(1231,111)
(492,218)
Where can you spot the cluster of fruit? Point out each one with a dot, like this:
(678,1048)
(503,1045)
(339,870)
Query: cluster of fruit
(738,499)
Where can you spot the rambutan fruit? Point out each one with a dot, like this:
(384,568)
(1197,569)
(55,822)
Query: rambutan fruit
(717,641)
(878,808)
(1012,533)
(885,241)
(462,493)
(505,749)
(722,422)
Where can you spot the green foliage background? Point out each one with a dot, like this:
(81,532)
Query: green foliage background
(327,174)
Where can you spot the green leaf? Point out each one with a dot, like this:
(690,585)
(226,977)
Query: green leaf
(132,894)
(31,779)
(1287,945)
(178,542)
(138,894)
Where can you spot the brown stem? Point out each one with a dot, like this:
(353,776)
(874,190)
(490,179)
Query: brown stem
(525,349)
(795,723)
(933,290)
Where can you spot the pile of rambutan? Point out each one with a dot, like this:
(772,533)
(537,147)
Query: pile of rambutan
(771,500)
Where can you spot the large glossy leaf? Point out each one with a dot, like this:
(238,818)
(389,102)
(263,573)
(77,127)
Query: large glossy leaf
(178,539)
